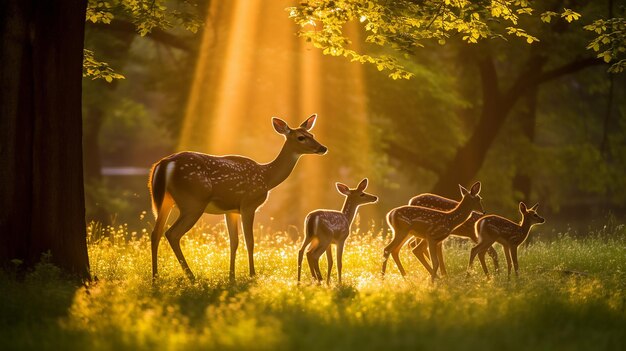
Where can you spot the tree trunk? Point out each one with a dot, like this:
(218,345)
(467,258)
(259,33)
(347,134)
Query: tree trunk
(470,157)
(41,172)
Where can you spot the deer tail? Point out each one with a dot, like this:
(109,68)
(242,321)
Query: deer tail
(156,184)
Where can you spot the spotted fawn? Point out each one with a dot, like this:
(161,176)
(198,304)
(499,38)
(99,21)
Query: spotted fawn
(428,224)
(492,228)
(326,227)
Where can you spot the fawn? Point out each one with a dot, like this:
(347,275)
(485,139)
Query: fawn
(428,224)
(510,235)
(326,227)
(231,185)
(465,230)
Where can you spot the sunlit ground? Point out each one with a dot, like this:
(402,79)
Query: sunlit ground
(546,308)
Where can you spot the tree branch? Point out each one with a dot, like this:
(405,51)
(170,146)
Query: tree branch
(568,68)
(156,34)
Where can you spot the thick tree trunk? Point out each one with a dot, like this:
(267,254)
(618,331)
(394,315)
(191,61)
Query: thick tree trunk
(41,173)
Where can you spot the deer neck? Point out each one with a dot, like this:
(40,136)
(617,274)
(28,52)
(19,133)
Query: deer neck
(280,168)
(460,213)
(349,210)
(525,226)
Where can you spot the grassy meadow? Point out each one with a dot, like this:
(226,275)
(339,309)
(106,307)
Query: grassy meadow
(571,295)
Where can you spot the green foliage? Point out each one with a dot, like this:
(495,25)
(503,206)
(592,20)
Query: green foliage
(128,123)
(146,15)
(95,69)
(570,295)
(610,43)
(406,25)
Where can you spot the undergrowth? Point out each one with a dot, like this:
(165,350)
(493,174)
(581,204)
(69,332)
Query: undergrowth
(570,295)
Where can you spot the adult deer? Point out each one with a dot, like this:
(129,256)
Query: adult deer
(428,224)
(492,228)
(198,183)
(326,227)
(465,230)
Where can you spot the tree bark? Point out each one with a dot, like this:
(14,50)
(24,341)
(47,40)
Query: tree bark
(41,171)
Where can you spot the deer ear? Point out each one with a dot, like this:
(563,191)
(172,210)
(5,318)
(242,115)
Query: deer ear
(342,188)
(310,122)
(534,208)
(362,185)
(475,189)
(522,207)
(463,190)
(280,126)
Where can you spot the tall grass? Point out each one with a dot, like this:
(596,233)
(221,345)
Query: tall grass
(570,295)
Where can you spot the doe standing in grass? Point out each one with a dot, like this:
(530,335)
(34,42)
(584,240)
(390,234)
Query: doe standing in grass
(325,227)
(232,185)
(510,235)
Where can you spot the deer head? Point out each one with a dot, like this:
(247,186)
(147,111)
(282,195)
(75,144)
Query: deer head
(530,214)
(299,139)
(357,196)
(471,198)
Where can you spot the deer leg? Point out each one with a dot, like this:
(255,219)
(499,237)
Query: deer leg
(247,219)
(514,258)
(315,260)
(434,257)
(329,258)
(396,258)
(507,254)
(473,253)
(183,223)
(414,244)
(494,256)
(481,257)
(482,246)
(441,263)
(157,232)
(232,224)
(393,248)
(339,260)
(310,258)
(420,251)
(307,241)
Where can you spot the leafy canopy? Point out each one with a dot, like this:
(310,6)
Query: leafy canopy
(145,15)
(405,25)
(610,44)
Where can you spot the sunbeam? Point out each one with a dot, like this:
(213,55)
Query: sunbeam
(253,67)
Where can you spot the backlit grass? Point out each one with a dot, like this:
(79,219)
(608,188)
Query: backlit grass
(570,295)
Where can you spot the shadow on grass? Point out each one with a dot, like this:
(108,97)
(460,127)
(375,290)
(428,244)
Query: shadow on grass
(31,308)
(193,299)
